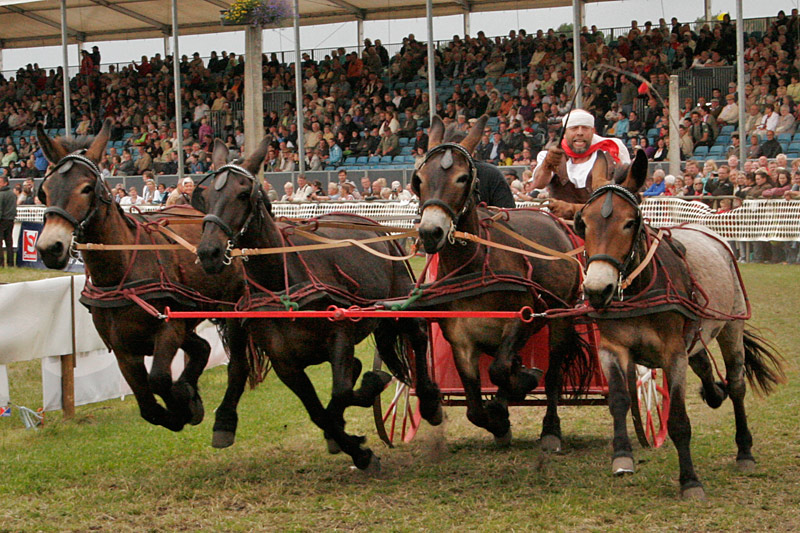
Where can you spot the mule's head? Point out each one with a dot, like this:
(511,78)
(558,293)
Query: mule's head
(444,182)
(72,192)
(231,202)
(610,223)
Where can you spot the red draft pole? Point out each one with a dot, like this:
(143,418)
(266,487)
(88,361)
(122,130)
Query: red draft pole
(525,314)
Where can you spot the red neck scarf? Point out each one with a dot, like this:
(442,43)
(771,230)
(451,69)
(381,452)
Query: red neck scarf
(607,145)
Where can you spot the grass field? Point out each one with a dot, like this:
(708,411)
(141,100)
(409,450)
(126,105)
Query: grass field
(108,470)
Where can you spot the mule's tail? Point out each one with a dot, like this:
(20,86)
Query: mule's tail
(393,346)
(578,365)
(763,364)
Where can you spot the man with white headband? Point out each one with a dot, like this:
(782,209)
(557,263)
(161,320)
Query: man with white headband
(567,170)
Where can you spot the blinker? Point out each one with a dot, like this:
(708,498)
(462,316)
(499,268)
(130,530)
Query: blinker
(65,166)
(221,180)
(608,205)
(447,159)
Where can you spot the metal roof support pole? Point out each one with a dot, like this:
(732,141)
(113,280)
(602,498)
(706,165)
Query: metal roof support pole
(707,10)
(166,46)
(176,81)
(740,80)
(360,35)
(577,17)
(431,62)
(674,148)
(466,22)
(253,89)
(298,90)
(65,66)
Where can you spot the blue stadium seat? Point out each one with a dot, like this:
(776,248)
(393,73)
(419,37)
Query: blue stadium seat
(374,160)
(784,137)
(404,141)
(727,130)
(794,146)
(784,147)
(398,160)
(407,150)
(362,160)
(723,140)
(386,160)
(701,151)
(652,132)
(409,159)
(716,151)
(350,160)
(796,137)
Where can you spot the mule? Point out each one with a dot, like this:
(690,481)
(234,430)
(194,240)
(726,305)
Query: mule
(709,302)
(239,216)
(445,183)
(80,208)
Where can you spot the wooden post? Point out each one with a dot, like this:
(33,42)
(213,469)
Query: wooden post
(68,363)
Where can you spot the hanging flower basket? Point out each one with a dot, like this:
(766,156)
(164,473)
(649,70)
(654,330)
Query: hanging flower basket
(257,13)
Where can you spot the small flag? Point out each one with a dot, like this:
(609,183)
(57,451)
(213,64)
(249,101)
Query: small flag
(5,411)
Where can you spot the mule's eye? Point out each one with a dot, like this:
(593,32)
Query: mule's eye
(87,190)
(629,224)
(462,178)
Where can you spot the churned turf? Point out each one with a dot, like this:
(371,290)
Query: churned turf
(108,470)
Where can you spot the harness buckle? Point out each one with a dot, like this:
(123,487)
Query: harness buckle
(73,248)
(451,233)
(620,294)
(227,259)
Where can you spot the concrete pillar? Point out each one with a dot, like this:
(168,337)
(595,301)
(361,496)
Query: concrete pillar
(65,66)
(360,35)
(466,20)
(431,62)
(707,9)
(176,81)
(674,133)
(577,17)
(740,79)
(253,88)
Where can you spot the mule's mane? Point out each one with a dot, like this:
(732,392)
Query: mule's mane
(73,144)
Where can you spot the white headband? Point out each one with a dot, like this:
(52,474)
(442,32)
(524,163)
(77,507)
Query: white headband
(578,117)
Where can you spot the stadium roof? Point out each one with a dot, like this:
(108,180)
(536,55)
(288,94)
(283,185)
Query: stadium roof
(25,23)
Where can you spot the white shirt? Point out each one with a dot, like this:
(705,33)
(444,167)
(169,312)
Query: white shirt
(302,194)
(578,173)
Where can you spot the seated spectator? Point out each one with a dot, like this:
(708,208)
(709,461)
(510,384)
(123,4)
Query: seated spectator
(784,184)
(729,114)
(753,151)
(658,187)
(390,144)
(763,183)
(126,166)
(288,190)
(786,121)
(132,198)
(771,147)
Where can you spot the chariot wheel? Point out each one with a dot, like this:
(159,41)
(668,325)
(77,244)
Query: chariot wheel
(651,411)
(396,411)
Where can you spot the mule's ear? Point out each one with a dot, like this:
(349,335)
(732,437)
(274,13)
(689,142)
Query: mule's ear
(578,226)
(98,146)
(51,148)
(474,135)
(220,154)
(436,132)
(254,160)
(637,173)
(199,199)
(605,171)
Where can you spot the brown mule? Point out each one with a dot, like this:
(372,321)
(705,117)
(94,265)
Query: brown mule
(80,206)
(445,183)
(615,239)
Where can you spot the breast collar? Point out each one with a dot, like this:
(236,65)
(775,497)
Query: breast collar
(473,172)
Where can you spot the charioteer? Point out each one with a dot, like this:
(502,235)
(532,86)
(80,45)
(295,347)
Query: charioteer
(567,170)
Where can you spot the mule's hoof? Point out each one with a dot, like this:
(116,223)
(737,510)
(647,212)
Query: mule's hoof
(373,468)
(333,446)
(745,465)
(223,439)
(622,465)
(197,410)
(551,444)
(693,493)
(503,441)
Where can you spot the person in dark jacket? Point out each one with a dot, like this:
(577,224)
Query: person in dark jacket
(771,148)
(493,188)
(8,212)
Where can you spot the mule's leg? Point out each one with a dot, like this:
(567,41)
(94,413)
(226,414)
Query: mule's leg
(135,374)
(185,389)
(732,346)
(679,426)
(615,359)
(712,392)
(430,398)
(563,340)
(296,379)
(489,417)
(506,371)
(226,419)
(169,338)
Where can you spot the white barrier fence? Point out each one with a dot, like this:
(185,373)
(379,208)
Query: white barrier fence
(44,320)
(755,220)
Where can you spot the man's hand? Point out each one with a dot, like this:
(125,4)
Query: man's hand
(553,159)
(562,209)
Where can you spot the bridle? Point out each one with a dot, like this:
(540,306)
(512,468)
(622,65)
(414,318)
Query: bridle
(455,217)
(608,191)
(101,194)
(256,195)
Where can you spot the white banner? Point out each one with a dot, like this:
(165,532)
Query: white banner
(98,378)
(5,396)
(36,318)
